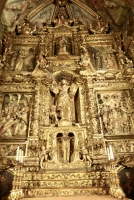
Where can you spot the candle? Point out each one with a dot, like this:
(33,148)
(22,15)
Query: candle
(22,157)
(111,152)
(17,153)
(108,153)
(131,147)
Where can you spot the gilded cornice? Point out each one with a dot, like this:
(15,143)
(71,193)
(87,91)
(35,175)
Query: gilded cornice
(99,38)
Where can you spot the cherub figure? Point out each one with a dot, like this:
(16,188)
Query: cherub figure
(85,156)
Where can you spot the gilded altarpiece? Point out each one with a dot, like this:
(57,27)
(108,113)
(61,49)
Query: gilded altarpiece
(65,96)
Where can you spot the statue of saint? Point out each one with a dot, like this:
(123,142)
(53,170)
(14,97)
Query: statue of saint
(53,114)
(63,46)
(64,99)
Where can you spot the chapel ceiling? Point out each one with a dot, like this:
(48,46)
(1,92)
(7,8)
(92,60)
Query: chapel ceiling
(85,11)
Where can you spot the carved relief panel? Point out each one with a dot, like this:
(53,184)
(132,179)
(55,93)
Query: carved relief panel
(115,117)
(103,57)
(23,59)
(15,113)
(122,146)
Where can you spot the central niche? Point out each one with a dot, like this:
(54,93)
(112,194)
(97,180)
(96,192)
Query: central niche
(65,147)
(65,98)
(63,46)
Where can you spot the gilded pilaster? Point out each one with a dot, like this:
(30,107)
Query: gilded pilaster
(34,131)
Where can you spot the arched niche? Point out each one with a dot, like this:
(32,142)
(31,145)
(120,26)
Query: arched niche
(72,147)
(65,99)
(63,46)
(59,147)
(65,147)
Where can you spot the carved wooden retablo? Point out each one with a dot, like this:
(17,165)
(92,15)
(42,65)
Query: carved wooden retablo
(66,94)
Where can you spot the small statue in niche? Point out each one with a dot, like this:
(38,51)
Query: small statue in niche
(61,20)
(63,46)
(64,99)
(43,155)
(53,115)
(98,60)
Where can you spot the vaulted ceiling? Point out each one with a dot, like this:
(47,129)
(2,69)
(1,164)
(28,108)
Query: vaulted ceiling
(115,12)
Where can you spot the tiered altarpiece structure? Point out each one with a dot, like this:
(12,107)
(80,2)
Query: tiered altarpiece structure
(66,94)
